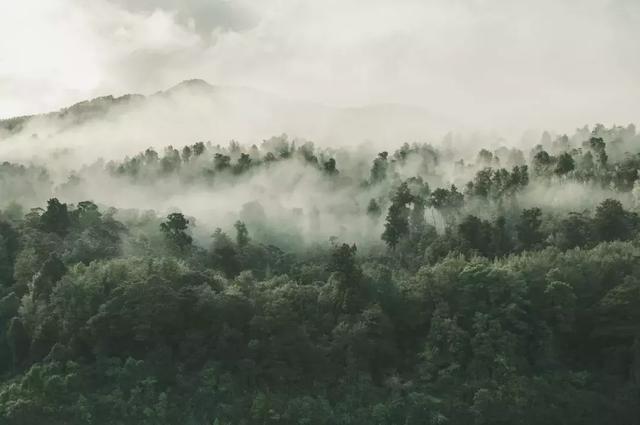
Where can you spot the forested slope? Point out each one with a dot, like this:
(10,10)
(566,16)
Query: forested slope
(419,286)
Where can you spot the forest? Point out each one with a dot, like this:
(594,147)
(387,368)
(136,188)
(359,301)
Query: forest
(287,283)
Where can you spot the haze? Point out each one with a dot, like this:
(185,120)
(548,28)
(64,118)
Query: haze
(494,64)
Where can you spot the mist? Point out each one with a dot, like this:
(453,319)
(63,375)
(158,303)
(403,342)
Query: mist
(480,65)
(319,212)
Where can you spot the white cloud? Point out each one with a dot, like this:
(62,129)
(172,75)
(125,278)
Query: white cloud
(485,62)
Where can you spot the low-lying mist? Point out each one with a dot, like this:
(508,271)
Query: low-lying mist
(193,111)
(171,152)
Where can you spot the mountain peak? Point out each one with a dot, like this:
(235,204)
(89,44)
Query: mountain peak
(193,84)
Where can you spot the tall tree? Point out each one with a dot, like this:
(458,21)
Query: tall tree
(613,222)
(565,164)
(175,230)
(242,234)
(397,222)
(379,168)
(56,218)
(528,228)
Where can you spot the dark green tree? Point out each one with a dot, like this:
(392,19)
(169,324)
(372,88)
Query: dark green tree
(198,149)
(574,230)
(543,163)
(613,222)
(242,234)
(397,221)
(476,233)
(528,229)
(243,164)
(9,245)
(221,162)
(56,218)
(598,146)
(187,153)
(565,164)
(379,168)
(18,340)
(329,167)
(175,230)
(224,255)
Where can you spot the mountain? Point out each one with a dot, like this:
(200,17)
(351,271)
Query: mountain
(196,110)
(74,114)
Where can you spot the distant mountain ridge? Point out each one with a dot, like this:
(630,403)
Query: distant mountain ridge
(224,112)
(81,111)
(97,107)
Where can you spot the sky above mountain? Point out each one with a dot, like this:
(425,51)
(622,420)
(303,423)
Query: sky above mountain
(484,63)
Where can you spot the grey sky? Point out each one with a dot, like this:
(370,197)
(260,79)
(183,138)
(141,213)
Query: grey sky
(553,63)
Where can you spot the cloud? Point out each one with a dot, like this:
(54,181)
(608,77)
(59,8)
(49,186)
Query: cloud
(487,63)
(203,16)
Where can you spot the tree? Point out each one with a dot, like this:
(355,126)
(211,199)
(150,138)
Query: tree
(446,201)
(242,234)
(586,162)
(397,222)
(9,245)
(175,230)
(198,149)
(501,242)
(417,221)
(528,229)
(347,278)
(224,255)
(49,274)
(86,214)
(560,306)
(373,209)
(598,146)
(485,157)
(565,164)
(477,234)
(343,260)
(574,230)
(150,156)
(18,340)
(542,163)
(56,218)
(221,162)
(187,152)
(171,160)
(379,168)
(329,167)
(244,163)
(612,222)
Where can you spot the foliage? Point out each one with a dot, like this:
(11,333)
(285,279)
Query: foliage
(471,307)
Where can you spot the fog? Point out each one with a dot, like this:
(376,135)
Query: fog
(125,157)
(195,110)
(483,65)
(447,77)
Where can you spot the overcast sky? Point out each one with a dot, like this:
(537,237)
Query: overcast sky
(496,62)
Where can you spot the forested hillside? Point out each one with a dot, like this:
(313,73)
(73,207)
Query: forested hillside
(290,284)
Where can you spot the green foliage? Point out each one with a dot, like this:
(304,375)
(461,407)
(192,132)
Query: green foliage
(397,222)
(165,340)
(56,218)
(528,228)
(476,311)
(242,234)
(175,231)
(379,168)
(565,164)
(612,222)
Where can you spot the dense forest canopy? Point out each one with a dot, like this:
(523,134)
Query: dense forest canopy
(285,283)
